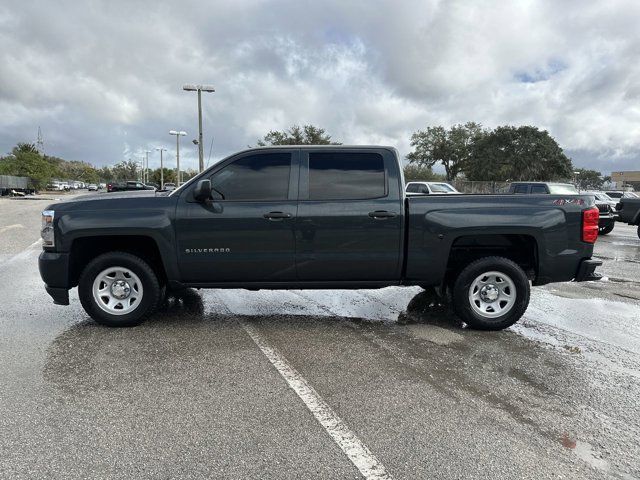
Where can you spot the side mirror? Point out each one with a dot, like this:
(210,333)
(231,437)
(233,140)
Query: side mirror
(202,192)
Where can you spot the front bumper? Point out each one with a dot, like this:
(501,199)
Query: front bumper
(54,271)
(586,270)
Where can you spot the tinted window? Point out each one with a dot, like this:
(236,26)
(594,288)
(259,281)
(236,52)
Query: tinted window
(343,175)
(256,177)
(538,189)
(413,188)
(520,189)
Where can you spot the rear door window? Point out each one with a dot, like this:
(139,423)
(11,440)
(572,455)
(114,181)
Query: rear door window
(521,189)
(346,176)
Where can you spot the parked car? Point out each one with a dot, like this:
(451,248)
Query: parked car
(620,194)
(629,211)
(12,185)
(102,185)
(607,207)
(606,220)
(127,186)
(430,188)
(339,219)
(169,187)
(92,187)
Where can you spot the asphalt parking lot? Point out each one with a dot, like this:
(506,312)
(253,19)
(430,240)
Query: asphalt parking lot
(319,384)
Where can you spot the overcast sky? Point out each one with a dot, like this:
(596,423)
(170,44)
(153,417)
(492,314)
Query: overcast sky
(103,79)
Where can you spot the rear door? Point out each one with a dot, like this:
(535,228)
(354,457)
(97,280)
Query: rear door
(349,225)
(248,234)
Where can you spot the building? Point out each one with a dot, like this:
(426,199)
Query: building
(626,179)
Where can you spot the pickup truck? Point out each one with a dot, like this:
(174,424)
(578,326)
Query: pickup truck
(629,211)
(126,186)
(607,219)
(314,217)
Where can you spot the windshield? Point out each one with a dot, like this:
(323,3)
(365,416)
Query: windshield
(563,189)
(442,188)
(630,195)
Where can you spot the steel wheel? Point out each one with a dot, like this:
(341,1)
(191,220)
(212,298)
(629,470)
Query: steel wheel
(492,294)
(117,290)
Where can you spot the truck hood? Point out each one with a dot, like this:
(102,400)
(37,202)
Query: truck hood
(115,200)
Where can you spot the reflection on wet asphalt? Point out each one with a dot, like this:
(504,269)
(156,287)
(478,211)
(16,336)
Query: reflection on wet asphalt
(189,395)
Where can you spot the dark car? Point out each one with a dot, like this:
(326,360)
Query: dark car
(128,186)
(315,217)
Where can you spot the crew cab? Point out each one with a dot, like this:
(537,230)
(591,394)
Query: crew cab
(629,211)
(314,217)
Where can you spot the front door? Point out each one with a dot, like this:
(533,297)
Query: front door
(246,231)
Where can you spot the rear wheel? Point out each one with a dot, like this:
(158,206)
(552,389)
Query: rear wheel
(491,293)
(605,230)
(118,289)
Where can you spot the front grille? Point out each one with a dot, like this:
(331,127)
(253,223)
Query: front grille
(604,208)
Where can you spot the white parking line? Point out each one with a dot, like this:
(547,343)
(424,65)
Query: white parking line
(365,461)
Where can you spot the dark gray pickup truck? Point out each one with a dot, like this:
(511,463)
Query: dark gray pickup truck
(629,211)
(302,217)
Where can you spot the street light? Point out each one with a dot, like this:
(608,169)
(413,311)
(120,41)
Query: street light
(178,134)
(146,166)
(199,88)
(161,167)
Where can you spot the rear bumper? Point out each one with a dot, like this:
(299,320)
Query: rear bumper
(54,271)
(587,270)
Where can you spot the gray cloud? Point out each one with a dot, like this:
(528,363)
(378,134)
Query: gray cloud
(103,79)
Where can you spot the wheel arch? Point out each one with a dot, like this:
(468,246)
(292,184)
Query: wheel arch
(85,249)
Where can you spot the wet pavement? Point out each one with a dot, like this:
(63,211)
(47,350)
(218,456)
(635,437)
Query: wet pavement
(190,394)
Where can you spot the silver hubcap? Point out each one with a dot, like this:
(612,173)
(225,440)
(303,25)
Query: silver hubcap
(492,294)
(117,290)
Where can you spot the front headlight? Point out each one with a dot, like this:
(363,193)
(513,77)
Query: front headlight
(46,232)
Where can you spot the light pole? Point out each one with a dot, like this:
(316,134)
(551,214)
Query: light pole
(146,165)
(199,89)
(178,134)
(161,167)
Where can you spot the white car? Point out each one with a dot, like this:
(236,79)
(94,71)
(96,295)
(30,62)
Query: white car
(430,188)
(92,187)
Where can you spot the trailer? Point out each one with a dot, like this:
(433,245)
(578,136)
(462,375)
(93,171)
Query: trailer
(12,185)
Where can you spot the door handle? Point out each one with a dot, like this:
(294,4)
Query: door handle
(380,214)
(276,215)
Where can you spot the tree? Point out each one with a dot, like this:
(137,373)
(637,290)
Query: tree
(517,153)
(588,179)
(452,148)
(169,175)
(296,135)
(125,170)
(413,173)
(25,161)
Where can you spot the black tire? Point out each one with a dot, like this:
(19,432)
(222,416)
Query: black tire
(151,289)
(606,230)
(638,231)
(462,304)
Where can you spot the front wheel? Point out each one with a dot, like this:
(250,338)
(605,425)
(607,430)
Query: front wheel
(491,293)
(118,289)
(605,230)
